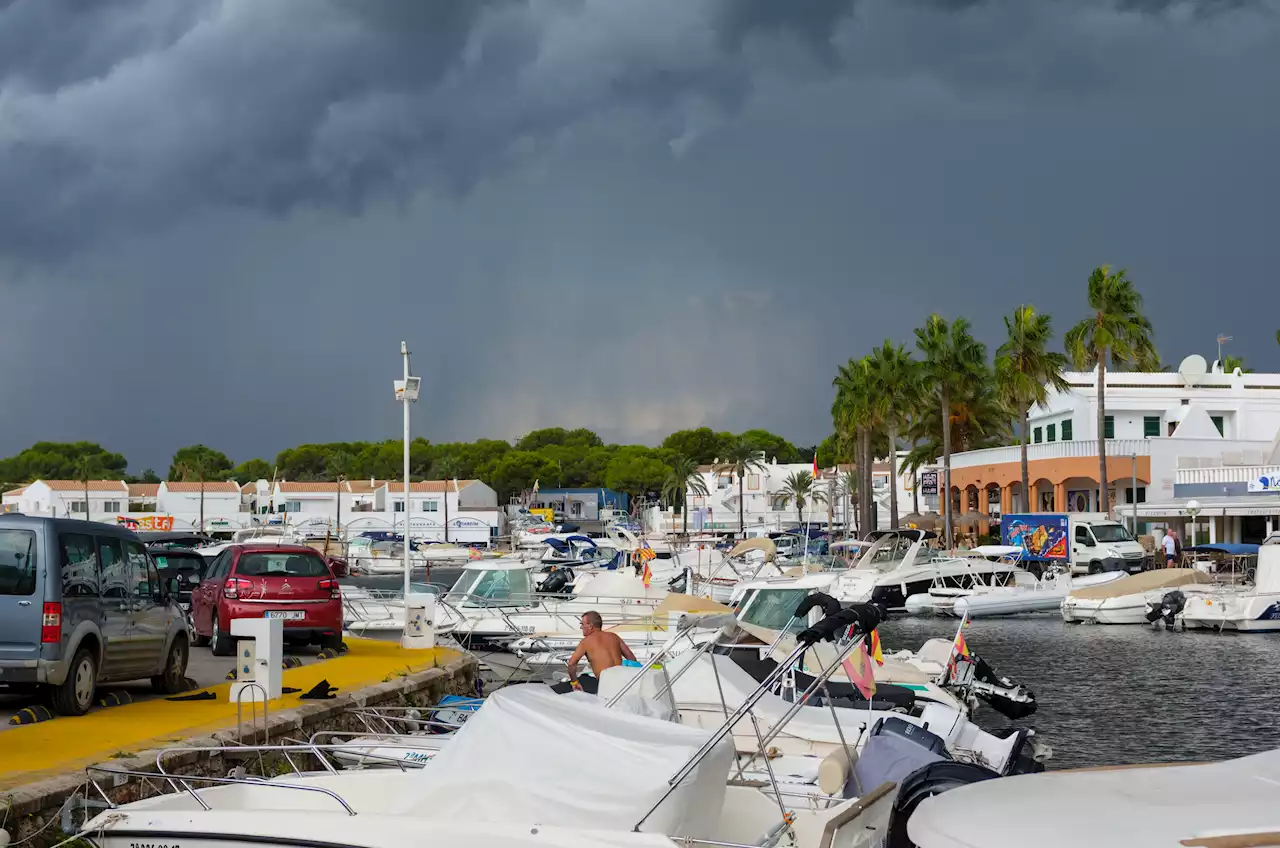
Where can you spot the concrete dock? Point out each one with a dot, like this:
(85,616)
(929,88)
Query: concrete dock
(43,764)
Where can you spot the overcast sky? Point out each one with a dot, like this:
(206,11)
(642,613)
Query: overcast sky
(218,218)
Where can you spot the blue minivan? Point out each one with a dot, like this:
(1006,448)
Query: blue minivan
(82,604)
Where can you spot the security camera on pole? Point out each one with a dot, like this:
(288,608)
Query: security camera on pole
(419,629)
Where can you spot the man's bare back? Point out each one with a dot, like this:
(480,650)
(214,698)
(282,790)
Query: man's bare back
(603,650)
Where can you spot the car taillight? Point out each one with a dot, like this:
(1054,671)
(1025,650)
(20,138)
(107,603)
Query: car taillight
(233,587)
(332,586)
(51,624)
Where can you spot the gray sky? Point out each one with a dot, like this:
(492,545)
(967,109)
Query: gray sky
(219,218)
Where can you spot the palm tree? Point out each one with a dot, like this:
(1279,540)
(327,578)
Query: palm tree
(1230,363)
(739,459)
(799,489)
(1116,329)
(195,467)
(895,383)
(88,467)
(952,359)
(447,468)
(1025,372)
(855,414)
(684,479)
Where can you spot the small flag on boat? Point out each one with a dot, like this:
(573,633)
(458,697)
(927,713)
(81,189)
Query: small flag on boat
(535,487)
(474,553)
(816,472)
(858,666)
(962,647)
(647,575)
(876,653)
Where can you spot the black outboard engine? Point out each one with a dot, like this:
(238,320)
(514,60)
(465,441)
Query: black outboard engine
(1168,608)
(558,582)
(678,583)
(1003,695)
(925,782)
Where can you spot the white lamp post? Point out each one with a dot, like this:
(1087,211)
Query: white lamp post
(406,393)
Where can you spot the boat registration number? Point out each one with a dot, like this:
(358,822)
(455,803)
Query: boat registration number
(524,628)
(287,615)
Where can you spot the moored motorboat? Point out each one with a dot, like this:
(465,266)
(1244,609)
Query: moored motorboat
(1246,608)
(1126,601)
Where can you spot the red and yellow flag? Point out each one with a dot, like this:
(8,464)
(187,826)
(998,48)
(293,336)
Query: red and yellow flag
(876,653)
(648,574)
(962,647)
(858,666)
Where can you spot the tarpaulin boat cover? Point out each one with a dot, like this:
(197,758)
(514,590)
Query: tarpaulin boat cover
(1160,578)
(529,756)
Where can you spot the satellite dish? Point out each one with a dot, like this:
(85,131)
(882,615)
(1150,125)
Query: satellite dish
(1193,368)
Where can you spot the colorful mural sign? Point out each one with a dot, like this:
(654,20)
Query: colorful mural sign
(1043,535)
(147,523)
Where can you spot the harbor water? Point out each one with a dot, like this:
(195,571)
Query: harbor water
(1116,695)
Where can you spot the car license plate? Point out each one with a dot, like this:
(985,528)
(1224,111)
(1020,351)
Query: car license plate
(287,615)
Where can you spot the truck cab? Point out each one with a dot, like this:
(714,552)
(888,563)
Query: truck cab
(1099,544)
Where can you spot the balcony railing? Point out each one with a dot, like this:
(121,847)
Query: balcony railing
(1050,450)
(1224,474)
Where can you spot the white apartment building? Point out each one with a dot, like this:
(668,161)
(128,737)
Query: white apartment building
(1162,430)
(67,499)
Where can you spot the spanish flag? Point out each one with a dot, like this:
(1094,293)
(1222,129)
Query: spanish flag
(858,667)
(648,574)
(876,653)
(962,647)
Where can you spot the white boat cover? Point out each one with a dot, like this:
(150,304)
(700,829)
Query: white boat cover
(1109,808)
(564,761)
(1137,584)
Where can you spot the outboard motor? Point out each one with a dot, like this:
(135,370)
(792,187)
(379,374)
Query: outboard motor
(925,782)
(1168,608)
(1010,699)
(558,582)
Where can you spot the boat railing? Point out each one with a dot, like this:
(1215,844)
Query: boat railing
(394,719)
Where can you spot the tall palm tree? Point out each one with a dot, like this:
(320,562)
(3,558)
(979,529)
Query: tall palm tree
(88,467)
(196,468)
(855,415)
(799,488)
(952,358)
(1115,329)
(447,468)
(740,459)
(683,480)
(1025,372)
(895,384)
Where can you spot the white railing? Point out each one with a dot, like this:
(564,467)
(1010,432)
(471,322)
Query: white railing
(1225,474)
(1050,450)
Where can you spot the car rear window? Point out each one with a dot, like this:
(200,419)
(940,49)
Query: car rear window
(282,564)
(173,563)
(17,562)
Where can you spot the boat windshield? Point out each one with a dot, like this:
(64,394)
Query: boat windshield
(889,554)
(1111,533)
(773,608)
(485,587)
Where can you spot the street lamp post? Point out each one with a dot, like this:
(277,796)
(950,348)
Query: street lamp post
(1193,509)
(406,393)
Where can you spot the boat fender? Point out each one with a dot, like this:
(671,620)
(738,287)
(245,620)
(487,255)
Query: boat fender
(925,782)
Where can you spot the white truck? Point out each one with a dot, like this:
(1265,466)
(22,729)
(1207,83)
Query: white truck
(1100,543)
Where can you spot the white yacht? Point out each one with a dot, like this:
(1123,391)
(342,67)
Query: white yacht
(900,563)
(1251,609)
(1128,600)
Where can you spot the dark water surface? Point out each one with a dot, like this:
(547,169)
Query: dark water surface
(1113,695)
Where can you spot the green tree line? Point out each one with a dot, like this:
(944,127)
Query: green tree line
(555,456)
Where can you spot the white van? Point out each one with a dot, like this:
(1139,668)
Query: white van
(1100,543)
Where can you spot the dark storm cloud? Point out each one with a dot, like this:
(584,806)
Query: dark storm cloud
(596,193)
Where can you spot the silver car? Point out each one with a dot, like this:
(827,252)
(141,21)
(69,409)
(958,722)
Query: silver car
(81,604)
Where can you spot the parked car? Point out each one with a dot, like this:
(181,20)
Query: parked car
(82,604)
(183,565)
(290,582)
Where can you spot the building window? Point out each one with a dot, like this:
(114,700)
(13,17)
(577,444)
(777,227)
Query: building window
(1217,422)
(1038,435)
(1109,427)
(430,506)
(753,481)
(722,482)
(111,506)
(293,506)
(1142,494)
(1051,433)
(1150,426)
(1066,430)
(77,506)
(398,507)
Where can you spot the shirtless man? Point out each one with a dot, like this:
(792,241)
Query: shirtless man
(603,650)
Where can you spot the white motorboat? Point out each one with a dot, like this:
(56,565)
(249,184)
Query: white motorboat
(1128,600)
(1229,804)
(1249,609)
(900,563)
(1028,596)
(505,770)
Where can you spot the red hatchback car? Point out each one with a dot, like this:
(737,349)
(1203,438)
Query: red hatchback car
(290,582)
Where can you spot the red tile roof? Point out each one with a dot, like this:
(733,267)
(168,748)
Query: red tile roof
(144,490)
(16,491)
(78,485)
(209,486)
